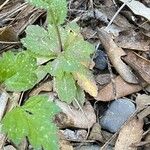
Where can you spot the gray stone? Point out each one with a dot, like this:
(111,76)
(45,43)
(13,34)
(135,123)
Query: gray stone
(117,113)
(100,60)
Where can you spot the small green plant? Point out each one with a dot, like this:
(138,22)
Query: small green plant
(33,120)
(68,58)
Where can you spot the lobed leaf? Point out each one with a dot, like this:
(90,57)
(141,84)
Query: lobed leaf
(17,72)
(65,87)
(56,9)
(62,64)
(41,42)
(33,120)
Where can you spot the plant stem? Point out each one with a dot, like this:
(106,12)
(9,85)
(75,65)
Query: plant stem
(57,31)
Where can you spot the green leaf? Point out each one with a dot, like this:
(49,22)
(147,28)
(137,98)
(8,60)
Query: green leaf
(41,42)
(7,68)
(65,87)
(57,10)
(79,49)
(34,120)
(17,72)
(39,3)
(80,97)
(21,81)
(63,64)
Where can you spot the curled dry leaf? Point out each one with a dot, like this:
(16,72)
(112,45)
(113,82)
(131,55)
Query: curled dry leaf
(138,8)
(129,135)
(139,64)
(122,89)
(71,117)
(114,53)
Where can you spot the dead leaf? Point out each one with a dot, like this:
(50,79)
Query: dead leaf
(122,89)
(87,82)
(65,145)
(133,40)
(96,133)
(147,139)
(114,53)
(138,8)
(7,34)
(103,79)
(143,102)
(130,134)
(44,87)
(120,20)
(72,117)
(139,64)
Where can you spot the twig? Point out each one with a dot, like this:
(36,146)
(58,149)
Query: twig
(112,78)
(5,42)
(113,18)
(4,4)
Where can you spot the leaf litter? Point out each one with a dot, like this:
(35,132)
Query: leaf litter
(126,44)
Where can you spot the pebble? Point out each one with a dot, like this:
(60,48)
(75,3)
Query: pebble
(100,60)
(9,147)
(74,135)
(116,114)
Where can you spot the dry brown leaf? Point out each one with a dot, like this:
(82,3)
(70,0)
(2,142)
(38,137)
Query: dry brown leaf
(133,40)
(114,53)
(72,117)
(139,64)
(130,134)
(45,87)
(120,20)
(122,89)
(147,139)
(65,145)
(143,102)
(87,82)
(138,8)
(103,79)
(7,34)
(96,133)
